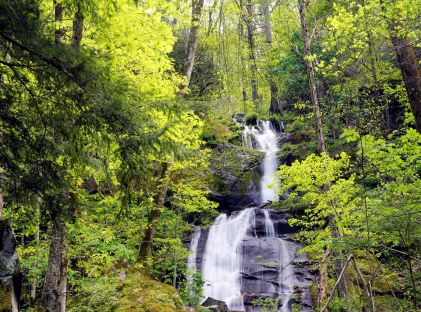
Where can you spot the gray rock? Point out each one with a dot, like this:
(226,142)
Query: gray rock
(10,270)
(8,256)
(215,305)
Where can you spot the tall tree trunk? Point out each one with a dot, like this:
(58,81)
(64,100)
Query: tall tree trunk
(78,22)
(197,6)
(409,65)
(241,37)
(268,26)
(323,278)
(56,277)
(34,283)
(55,285)
(410,69)
(321,145)
(145,246)
(339,263)
(252,57)
(58,19)
(275,107)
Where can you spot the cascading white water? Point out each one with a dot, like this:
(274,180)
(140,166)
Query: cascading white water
(269,227)
(247,137)
(267,142)
(191,260)
(226,252)
(222,259)
(287,277)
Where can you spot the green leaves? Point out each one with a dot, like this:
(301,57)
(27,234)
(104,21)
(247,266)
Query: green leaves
(322,183)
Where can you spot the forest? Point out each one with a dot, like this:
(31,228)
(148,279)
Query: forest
(210,155)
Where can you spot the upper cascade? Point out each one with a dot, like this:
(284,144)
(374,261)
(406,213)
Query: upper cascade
(263,137)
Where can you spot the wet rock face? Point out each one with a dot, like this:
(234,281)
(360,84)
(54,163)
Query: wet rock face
(280,222)
(10,271)
(263,259)
(266,271)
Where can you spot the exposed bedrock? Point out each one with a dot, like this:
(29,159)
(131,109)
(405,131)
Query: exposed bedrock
(10,270)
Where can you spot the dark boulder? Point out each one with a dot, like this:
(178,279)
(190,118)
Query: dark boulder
(215,305)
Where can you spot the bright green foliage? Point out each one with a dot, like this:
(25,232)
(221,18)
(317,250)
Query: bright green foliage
(377,208)
(86,131)
(326,189)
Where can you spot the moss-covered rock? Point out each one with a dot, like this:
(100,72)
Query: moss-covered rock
(235,175)
(5,297)
(141,293)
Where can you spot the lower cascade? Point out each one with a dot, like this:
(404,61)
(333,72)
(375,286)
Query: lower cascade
(247,254)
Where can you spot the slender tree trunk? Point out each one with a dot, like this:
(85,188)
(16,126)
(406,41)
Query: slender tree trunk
(411,275)
(58,18)
(56,277)
(78,22)
(323,278)
(34,283)
(338,280)
(410,69)
(145,246)
(364,285)
(338,261)
(275,107)
(252,57)
(197,6)
(321,145)
(268,26)
(55,285)
(241,37)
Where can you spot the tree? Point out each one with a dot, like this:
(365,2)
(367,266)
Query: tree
(196,15)
(308,57)
(248,17)
(406,56)
(275,107)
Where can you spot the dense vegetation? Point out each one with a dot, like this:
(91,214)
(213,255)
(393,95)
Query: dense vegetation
(110,109)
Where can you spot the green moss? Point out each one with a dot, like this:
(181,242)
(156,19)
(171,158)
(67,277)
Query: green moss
(251,119)
(216,132)
(275,118)
(5,298)
(389,303)
(141,293)
(234,166)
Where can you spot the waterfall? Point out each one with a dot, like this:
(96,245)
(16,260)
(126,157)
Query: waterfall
(269,227)
(247,137)
(191,260)
(287,279)
(221,266)
(239,247)
(266,141)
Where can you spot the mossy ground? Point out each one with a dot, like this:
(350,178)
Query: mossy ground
(141,293)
